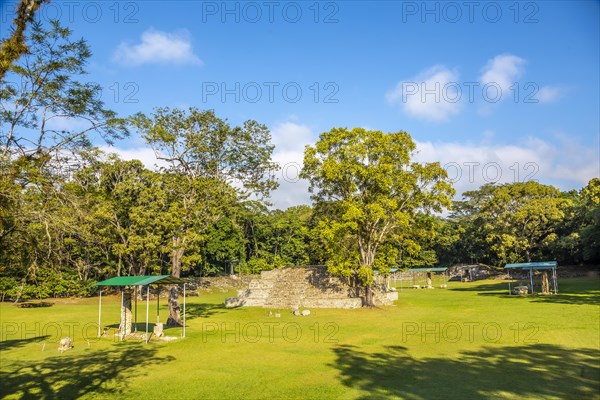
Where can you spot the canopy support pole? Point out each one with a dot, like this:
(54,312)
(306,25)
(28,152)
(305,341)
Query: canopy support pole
(531,279)
(509,291)
(123,317)
(135,293)
(158,304)
(99,311)
(183,310)
(147,311)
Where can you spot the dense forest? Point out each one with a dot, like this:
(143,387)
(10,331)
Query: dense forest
(71,214)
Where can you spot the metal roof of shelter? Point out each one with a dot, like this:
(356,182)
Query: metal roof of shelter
(139,280)
(436,269)
(533,265)
(392,270)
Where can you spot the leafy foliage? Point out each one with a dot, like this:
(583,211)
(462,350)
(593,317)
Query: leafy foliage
(368,191)
(511,222)
(14,47)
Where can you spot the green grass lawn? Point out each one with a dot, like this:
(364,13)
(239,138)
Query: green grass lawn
(469,341)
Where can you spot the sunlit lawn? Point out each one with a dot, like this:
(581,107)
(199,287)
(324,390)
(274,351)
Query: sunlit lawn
(469,341)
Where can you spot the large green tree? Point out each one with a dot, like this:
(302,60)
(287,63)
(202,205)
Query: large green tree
(367,191)
(130,206)
(275,238)
(50,118)
(513,220)
(590,216)
(211,165)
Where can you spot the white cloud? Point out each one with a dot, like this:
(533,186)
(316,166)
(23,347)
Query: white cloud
(575,161)
(292,190)
(434,94)
(144,154)
(502,71)
(548,94)
(289,139)
(157,47)
(291,136)
(566,165)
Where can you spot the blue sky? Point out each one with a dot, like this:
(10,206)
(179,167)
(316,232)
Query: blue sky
(495,91)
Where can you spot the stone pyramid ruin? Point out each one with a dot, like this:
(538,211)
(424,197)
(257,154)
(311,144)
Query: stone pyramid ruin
(307,287)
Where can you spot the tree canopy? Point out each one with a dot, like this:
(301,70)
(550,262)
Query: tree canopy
(211,166)
(368,193)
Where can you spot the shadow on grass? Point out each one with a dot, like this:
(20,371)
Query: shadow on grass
(103,373)
(39,304)
(16,343)
(487,288)
(139,327)
(585,297)
(203,310)
(535,371)
(576,292)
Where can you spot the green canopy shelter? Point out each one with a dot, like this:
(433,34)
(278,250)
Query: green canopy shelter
(135,281)
(543,266)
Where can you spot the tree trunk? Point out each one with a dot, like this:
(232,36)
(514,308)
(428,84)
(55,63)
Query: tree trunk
(174,318)
(14,46)
(545,283)
(20,292)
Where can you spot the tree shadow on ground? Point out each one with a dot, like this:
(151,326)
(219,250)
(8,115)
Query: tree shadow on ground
(203,310)
(104,373)
(113,329)
(585,297)
(485,288)
(580,293)
(11,344)
(536,371)
(37,304)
